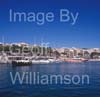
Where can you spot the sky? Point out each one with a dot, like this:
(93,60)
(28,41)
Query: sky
(84,34)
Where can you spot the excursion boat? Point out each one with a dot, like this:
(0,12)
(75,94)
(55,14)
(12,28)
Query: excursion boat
(75,60)
(22,62)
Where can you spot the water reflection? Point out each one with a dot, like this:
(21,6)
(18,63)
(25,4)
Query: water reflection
(92,90)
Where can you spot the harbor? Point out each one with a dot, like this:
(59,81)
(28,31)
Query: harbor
(24,53)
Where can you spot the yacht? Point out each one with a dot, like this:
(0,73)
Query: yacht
(40,61)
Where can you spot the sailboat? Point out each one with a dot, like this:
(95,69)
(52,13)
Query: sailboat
(3,57)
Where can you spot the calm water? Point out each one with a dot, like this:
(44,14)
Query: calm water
(7,89)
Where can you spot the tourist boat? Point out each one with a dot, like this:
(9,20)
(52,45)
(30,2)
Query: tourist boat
(22,62)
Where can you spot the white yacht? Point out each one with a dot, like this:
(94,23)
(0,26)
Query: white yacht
(40,61)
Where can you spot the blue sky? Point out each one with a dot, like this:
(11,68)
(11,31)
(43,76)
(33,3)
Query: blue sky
(85,33)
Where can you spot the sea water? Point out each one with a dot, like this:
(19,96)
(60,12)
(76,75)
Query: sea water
(92,89)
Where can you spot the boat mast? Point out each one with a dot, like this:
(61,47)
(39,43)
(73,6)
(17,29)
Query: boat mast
(3,43)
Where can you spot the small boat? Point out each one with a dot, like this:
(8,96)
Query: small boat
(75,60)
(40,61)
(94,60)
(54,60)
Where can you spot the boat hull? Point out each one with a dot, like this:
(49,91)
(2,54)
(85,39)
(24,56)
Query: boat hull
(75,60)
(14,63)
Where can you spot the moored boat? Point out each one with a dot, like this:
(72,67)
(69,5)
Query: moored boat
(40,61)
(75,60)
(4,59)
(94,60)
(21,62)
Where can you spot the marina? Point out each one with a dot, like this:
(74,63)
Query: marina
(24,53)
(28,60)
(25,60)
(50,48)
